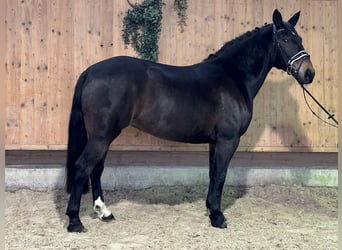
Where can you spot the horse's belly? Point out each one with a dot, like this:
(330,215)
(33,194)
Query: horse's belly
(176,131)
(175,114)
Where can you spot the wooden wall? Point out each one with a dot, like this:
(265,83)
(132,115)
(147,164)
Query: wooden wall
(50,42)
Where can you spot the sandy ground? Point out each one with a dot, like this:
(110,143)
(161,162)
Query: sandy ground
(271,217)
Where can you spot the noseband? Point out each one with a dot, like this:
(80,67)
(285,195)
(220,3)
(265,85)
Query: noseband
(291,70)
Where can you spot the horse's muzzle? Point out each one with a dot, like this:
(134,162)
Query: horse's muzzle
(306,72)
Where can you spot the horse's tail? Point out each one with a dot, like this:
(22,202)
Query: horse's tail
(77,135)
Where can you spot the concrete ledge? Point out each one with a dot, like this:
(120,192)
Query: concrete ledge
(136,177)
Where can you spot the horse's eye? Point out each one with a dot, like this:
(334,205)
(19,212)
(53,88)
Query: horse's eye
(285,40)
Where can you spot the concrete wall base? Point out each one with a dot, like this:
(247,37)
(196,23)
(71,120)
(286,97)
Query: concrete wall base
(138,177)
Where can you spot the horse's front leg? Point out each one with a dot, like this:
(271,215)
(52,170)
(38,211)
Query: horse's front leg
(98,201)
(220,155)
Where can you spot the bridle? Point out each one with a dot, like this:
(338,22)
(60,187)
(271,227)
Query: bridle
(291,70)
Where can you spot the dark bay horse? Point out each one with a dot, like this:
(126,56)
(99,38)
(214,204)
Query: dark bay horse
(209,102)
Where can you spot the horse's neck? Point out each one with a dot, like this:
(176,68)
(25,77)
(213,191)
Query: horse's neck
(255,82)
(256,62)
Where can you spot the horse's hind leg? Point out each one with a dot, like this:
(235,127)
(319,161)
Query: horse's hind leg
(99,205)
(94,152)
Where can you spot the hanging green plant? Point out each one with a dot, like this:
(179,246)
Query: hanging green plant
(181,7)
(142,26)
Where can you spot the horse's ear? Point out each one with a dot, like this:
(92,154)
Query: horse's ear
(293,20)
(277,19)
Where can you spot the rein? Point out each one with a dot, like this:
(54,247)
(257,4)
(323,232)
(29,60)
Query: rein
(330,116)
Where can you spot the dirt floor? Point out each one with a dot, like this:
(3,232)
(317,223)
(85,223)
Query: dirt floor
(271,217)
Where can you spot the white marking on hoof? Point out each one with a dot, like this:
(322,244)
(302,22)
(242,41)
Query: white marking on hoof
(101,209)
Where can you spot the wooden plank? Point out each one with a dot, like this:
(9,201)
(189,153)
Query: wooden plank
(45,158)
(60,68)
(330,98)
(13,67)
(26,90)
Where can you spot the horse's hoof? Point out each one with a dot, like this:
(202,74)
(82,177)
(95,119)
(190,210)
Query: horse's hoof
(76,228)
(108,218)
(218,220)
(223,225)
(219,224)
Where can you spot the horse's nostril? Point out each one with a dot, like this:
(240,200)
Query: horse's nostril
(309,75)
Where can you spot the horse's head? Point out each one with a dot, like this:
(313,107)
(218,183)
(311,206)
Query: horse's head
(290,53)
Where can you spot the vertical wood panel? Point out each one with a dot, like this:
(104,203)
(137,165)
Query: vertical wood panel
(39,62)
(60,68)
(13,72)
(50,42)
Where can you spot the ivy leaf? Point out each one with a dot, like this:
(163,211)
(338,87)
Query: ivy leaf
(141,28)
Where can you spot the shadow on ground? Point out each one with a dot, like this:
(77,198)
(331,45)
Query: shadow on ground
(169,195)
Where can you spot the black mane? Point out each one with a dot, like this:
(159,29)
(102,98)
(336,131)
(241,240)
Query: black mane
(237,42)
